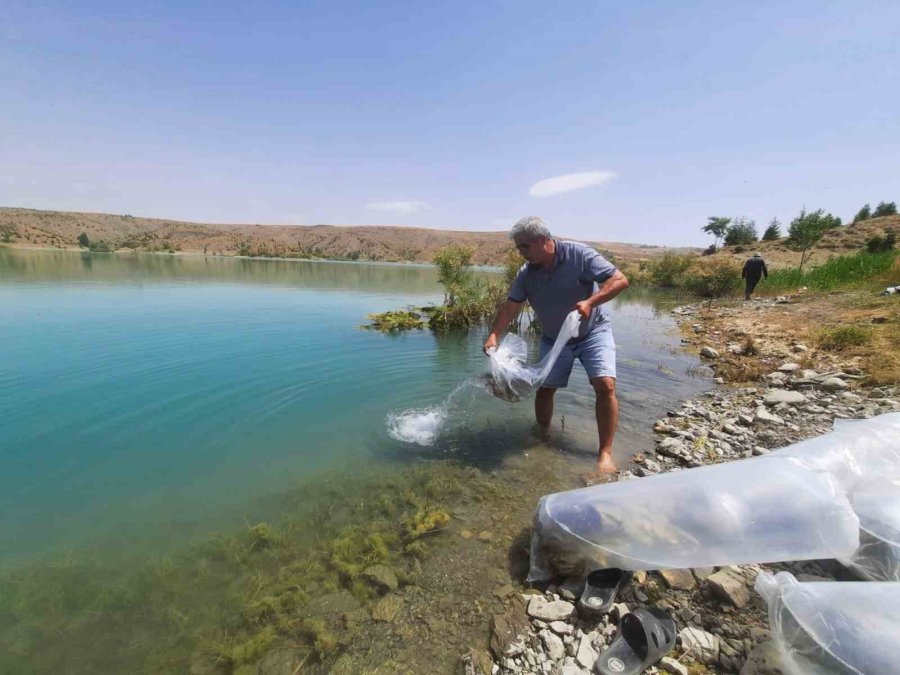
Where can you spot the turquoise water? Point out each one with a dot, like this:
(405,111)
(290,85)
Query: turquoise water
(147,399)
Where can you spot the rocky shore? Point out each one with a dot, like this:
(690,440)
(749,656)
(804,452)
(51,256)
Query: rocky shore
(796,392)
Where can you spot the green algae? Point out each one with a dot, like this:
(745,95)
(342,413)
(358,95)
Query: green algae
(219,606)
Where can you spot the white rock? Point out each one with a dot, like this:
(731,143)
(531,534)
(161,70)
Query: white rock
(557,610)
(763,415)
(670,665)
(834,384)
(788,367)
(709,352)
(777,396)
(698,643)
(562,628)
(554,646)
(586,656)
(570,669)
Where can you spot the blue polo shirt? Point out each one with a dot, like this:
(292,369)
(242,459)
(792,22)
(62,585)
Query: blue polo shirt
(575,276)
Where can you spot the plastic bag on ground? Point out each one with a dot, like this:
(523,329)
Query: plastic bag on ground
(863,456)
(877,504)
(856,451)
(753,510)
(511,378)
(833,627)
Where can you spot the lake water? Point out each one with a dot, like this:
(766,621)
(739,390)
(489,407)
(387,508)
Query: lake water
(145,398)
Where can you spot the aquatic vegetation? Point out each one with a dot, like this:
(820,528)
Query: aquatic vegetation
(220,606)
(388,322)
(426,520)
(263,536)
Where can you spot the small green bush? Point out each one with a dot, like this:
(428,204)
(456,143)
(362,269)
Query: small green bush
(840,338)
(668,269)
(713,278)
(879,244)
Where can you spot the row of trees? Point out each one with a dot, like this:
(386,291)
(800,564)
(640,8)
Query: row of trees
(742,231)
(883,209)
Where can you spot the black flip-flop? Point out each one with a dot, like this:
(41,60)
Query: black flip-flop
(600,590)
(645,636)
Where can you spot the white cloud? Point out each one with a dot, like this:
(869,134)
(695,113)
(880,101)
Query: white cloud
(571,181)
(399,207)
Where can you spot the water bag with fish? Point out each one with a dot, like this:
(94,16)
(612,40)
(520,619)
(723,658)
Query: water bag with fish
(749,511)
(831,626)
(511,377)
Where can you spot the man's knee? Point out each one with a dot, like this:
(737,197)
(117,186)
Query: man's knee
(544,393)
(604,387)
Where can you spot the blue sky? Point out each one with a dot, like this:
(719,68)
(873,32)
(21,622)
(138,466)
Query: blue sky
(449,114)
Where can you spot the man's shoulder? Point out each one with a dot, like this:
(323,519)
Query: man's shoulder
(576,248)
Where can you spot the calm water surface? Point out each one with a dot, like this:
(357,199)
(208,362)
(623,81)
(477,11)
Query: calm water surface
(147,399)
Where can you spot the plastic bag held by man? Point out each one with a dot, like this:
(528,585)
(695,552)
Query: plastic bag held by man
(833,627)
(511,378)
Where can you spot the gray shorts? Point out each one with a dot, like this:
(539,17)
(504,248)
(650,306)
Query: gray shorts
(596,351)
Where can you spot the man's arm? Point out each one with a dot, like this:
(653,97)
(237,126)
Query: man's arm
(765,271)
(505,314)
(607,291)
(744,270)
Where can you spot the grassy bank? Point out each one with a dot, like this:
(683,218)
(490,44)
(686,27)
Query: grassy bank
(713,278)
(838,272)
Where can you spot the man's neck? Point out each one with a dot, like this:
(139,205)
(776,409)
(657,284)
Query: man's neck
(550,261)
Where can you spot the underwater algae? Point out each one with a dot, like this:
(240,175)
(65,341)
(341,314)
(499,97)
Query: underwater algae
(223,605)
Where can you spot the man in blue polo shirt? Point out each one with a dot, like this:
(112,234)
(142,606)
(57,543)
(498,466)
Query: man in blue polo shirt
(558,277)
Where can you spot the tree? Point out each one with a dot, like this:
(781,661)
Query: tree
(773,231)
(807,229)
(453,263)
(741,231)
(864,214)
(83,240)
(885,209)
(717,227)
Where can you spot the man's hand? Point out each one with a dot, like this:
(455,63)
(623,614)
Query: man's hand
(584,308)
(490,343)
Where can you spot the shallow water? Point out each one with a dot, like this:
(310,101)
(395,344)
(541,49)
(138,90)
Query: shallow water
(149,399)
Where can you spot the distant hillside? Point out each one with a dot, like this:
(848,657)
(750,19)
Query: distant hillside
(839,241)
(61,229)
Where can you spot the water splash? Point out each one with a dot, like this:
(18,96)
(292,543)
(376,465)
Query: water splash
(423,426)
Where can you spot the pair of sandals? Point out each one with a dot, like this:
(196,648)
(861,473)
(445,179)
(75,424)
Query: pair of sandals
(645,635)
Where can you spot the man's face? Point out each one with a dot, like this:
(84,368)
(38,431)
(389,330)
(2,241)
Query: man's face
(531,249)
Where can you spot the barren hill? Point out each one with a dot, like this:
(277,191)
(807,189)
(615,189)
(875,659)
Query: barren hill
(61,229)
(836,242)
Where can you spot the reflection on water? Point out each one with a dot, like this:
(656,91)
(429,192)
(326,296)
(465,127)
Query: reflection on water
(42,267)
(150,400)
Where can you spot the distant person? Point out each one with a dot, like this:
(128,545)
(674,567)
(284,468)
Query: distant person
(754,269)
(559,277)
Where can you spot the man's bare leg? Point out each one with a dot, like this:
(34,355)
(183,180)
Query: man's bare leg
(543,408)
(607,409)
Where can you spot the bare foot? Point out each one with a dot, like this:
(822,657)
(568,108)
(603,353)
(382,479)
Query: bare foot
(605,464)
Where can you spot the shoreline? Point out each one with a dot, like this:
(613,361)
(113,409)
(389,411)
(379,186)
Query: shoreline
(201,254)
(722,622)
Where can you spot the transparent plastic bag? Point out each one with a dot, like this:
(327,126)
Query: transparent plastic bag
(511,378)
(833,627)
(877,504)
(855,452)
(863,456)
(748,511)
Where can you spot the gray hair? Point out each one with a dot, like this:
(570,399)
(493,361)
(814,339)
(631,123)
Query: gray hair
(530,228)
